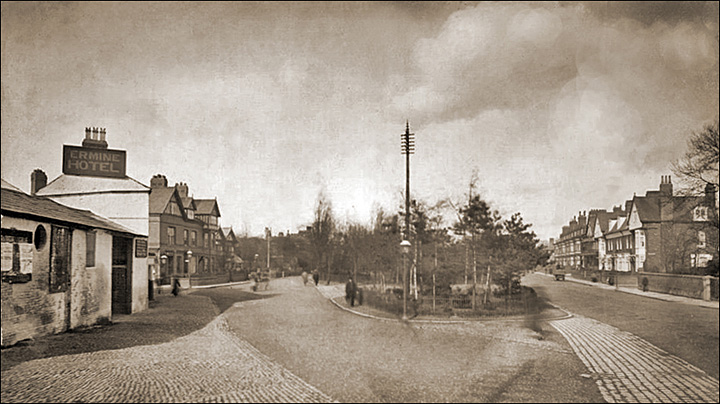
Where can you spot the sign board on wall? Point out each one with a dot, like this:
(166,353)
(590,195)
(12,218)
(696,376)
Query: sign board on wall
(93,162)
(141,248)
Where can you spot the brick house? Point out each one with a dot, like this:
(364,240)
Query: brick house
(568,247)
(673,232)
(63,268)
(175,231)
(604,223)
(208,212)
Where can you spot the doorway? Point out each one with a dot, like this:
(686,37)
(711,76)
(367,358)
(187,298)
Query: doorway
(121,275)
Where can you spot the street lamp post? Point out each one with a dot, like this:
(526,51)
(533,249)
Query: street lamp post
(405,248)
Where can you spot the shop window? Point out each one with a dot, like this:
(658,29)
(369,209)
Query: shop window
(90,248)
(60,244)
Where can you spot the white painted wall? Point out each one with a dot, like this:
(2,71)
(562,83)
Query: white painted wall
(129,209)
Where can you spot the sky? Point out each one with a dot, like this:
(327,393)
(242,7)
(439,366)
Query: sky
(557,107)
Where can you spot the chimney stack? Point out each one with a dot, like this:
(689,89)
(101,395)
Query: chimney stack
(666,187)
(38,180)
(182,189)
(158,181)
(95,138)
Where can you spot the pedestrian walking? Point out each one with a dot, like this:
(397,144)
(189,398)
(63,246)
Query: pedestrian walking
(316,276)
(304,277)
(176,287)
(350,292)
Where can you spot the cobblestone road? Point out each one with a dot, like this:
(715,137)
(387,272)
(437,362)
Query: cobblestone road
(210,365)
(628,369)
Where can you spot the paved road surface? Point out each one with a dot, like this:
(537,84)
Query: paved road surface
(628,368)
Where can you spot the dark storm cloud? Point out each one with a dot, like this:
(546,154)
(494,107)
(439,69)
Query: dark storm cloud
(650,12)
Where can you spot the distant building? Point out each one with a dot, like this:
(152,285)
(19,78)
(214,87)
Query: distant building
(62,267)
(657,232)
(568,246)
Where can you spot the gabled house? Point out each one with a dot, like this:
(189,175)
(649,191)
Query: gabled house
(672,232)
(604,223)
(619,244)
(175,233)
(208,212)
(233,261)
(64,268)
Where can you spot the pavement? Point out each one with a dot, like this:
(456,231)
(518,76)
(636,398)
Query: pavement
(636,291)
(178,350)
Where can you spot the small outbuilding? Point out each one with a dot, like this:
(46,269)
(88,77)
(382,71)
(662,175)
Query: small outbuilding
(62,267)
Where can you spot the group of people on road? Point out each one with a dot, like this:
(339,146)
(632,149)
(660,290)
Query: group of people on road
(315,277)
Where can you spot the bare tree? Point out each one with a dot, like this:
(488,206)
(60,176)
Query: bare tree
(700,164)
(322,231)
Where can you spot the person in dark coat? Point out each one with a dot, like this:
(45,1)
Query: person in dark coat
(350,291)
(176,287)
(316,276)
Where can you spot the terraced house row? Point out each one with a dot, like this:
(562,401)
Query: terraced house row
(658,232)
(185,233)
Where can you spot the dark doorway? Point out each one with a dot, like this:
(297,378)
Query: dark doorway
(121,275)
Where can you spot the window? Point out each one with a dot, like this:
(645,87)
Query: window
(185,237)
(700,214)
(60,242)
(193,238)
(207,240)
(213,219)
(173,209)
(190,214)
(90,248)
(171,235)
(701,239)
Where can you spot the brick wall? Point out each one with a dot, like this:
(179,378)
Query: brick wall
(680,285)
(30,311)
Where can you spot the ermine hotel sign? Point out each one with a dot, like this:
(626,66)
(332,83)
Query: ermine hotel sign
(93,162)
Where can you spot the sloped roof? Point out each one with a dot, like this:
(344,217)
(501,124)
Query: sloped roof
(77,184)
(8,185)
(648,208)
(206,206)
(159,198)
(188,203)
(43,208)
(228,233)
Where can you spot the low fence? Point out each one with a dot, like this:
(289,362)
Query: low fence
(693,286)
(525,302)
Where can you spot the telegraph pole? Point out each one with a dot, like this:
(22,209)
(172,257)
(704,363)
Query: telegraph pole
(408,148)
